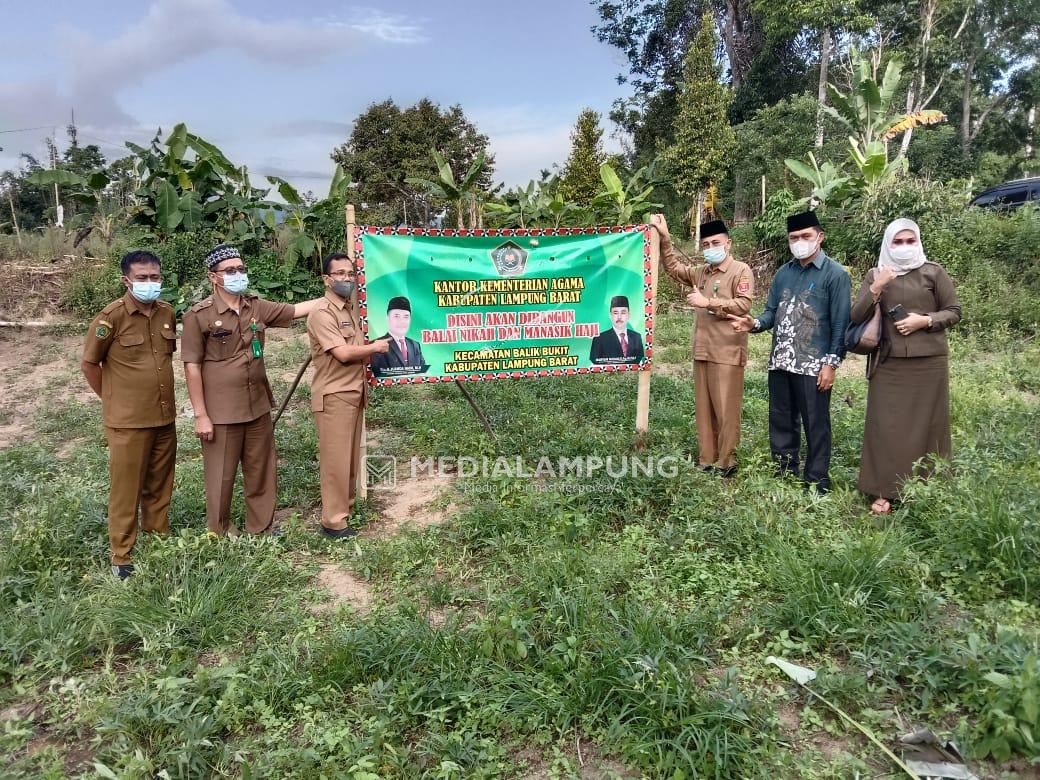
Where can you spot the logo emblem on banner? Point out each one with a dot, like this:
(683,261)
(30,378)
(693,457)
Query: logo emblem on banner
(510,259)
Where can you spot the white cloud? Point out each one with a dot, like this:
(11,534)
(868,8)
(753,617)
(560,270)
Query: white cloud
(172,32)
(175,31)
(168,34)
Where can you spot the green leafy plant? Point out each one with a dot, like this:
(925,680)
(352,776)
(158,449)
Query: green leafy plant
(1010,721)
(464,194)
(302,218)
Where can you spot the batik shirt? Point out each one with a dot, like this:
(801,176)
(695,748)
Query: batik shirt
(808,311)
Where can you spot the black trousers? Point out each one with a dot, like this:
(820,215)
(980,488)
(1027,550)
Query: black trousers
(794,403)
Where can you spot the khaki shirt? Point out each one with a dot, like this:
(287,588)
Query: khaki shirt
(729,288)
(333,324)
(135,351)
(234,383)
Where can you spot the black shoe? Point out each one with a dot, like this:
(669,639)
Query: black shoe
(124,571)
(822,487)
(726,473)
(707,468)
(343,533)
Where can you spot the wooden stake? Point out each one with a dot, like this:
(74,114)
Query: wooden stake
(479,412)
(763,193)
(643,394)
(362,475)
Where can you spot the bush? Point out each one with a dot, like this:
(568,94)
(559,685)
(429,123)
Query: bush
(90,288)
(183,256)
(991,256)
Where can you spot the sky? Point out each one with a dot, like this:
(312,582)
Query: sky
(277,85)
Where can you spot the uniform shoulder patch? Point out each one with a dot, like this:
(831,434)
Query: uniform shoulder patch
(744,285)
(103,329)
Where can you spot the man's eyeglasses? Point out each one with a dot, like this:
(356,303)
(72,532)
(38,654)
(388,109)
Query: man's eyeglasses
(238,269)
(343,274)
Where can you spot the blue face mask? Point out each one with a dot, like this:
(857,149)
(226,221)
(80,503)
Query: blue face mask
(236,284)
(715,255)
(146,292)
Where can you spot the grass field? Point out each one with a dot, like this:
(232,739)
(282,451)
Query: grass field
(514,627)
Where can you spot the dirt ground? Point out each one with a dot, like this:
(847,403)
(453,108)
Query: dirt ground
(36,369)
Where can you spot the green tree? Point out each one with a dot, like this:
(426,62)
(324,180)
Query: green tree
(699,155)
(388,146)
(580,176)
(24,203)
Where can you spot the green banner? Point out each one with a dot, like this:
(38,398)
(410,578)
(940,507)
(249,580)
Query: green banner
(500,304)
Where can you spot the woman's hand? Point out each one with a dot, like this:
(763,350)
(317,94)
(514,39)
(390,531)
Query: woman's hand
(881,280)
(913,322)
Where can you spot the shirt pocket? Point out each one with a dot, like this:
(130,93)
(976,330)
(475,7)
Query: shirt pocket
(247,334)
(169,341)
(348,332)
(221,344)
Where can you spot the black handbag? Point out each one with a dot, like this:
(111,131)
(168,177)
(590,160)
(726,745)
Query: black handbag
(864,338)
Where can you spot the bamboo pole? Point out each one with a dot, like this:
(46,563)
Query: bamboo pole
(643,393)
(362,473)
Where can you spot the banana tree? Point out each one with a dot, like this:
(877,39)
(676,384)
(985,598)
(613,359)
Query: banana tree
(866,109)
(624,203)
(463,194)
(302,217)
(872,163)
(538,204)
(186,182)
(829,182)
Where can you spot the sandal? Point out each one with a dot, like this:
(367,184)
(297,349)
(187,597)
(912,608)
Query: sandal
(881,506)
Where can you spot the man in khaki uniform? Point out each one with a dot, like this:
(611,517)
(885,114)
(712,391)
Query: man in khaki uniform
(222,348)
(127,361)
(338,391)
(722,286)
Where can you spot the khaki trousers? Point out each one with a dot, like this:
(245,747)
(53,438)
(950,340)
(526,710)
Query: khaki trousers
(719,394)
(140,469)
(339,452)
(251,444)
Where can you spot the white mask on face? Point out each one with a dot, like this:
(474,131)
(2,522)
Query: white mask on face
(715,255)
(802,249)
(904,253)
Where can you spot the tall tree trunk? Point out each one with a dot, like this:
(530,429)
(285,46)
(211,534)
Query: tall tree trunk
(916,100)
(821,93)
(740,208)
(727,32)
(1030,139)
(969,72)
(695,219)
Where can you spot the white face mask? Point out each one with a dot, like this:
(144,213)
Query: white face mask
(236,284)
(802,249)
(904,252)
(146,292)
(715,255)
